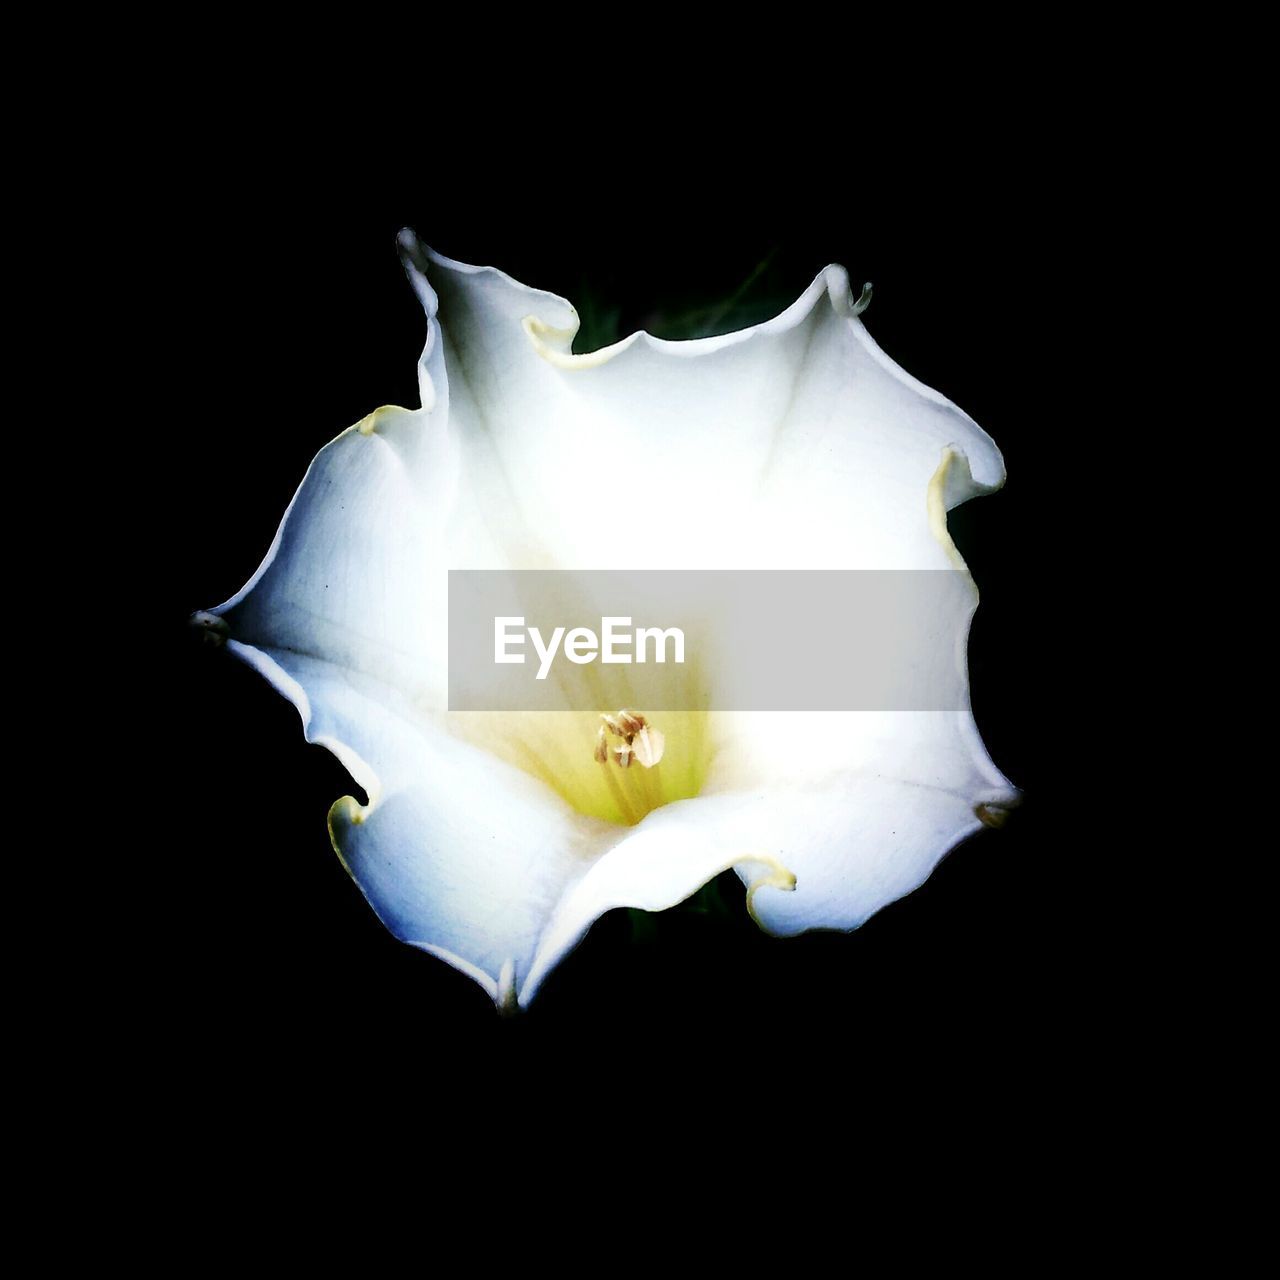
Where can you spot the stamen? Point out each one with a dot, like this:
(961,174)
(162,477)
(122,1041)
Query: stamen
(639,739)
(631,722)
(648,745)
(642,792)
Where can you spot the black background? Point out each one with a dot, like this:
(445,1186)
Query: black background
(293,319)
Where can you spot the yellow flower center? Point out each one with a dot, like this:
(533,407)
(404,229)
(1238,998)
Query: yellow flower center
(563,749)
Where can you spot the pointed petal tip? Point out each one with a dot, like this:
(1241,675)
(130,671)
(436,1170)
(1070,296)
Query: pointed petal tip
(415,257)
(414,250)
(504,996)
(411,250)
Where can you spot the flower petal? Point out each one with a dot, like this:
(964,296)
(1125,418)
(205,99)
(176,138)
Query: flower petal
(670,856)
(333,584)
(458,852)
(897,791)
(796,443)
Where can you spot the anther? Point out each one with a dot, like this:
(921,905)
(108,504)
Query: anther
(631,722)
(640,741)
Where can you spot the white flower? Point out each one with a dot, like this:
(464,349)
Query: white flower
(495,841)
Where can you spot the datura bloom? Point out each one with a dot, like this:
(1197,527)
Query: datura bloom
(495,840)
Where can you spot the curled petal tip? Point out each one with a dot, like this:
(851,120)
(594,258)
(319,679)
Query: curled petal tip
(212,629)
(995,813)
(777,877)
(864,299)
(380,417)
